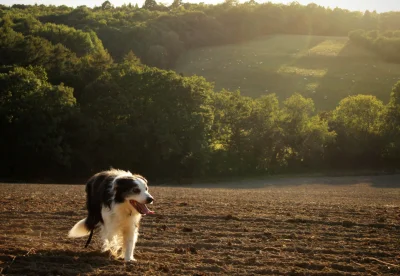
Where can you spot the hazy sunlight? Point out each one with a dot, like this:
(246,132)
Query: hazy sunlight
(380,6)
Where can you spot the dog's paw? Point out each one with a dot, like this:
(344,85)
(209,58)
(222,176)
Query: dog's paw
(130,260)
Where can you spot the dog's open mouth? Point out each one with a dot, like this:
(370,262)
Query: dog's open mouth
(141,208)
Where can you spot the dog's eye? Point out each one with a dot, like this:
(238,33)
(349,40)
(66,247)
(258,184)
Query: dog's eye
(147,189)
(136,190)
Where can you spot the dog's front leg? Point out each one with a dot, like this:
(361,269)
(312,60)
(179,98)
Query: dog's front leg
(129,245)
(130,239)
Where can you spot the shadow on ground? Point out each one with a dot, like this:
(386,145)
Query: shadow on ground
(52,262)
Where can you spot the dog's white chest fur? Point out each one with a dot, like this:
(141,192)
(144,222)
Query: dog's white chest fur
(120,231)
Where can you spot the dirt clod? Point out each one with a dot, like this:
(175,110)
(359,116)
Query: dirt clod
(347,223)
(231,217)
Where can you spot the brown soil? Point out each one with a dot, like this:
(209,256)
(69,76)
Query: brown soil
(344,226)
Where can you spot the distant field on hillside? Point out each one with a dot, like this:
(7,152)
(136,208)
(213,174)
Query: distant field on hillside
(326,69)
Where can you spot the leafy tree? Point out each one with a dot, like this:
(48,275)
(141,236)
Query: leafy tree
(359,123)
(264,135)
(77,41)
(370,20)
(32,112)
(157,55)
(131,58)
(157,119)
(229,132)
(176,4)
(392,152)
(106,5)
(305,136)
(150,5)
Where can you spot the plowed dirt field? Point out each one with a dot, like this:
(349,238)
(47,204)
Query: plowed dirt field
(323,226)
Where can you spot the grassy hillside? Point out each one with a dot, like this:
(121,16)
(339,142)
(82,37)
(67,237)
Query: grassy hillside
(324,68)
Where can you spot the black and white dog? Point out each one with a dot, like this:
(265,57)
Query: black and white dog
(116,201)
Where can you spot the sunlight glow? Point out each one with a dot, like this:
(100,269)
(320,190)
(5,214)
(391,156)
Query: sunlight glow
(318,73)
(379,6)
(328,48)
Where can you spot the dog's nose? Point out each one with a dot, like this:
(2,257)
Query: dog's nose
(149,200)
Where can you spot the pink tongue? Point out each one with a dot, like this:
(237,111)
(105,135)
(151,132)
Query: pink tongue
(146,211)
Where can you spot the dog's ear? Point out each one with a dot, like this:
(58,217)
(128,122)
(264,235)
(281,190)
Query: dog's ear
(123,186)
(142,178)
(125,183)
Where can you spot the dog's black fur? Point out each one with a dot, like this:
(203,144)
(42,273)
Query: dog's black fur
(99,191)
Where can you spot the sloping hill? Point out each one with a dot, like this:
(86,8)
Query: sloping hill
(324,68)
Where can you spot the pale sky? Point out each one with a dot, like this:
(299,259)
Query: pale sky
(378,5)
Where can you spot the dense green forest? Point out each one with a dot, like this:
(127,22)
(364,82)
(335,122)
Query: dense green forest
(83,89)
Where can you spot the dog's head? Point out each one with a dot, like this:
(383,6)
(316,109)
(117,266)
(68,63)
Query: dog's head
(133,189)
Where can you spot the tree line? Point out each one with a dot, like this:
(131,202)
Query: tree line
(159,34)
(72,102)
(385,44)
(166,126)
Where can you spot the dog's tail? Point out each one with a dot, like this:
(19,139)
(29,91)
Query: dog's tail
(79,230)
